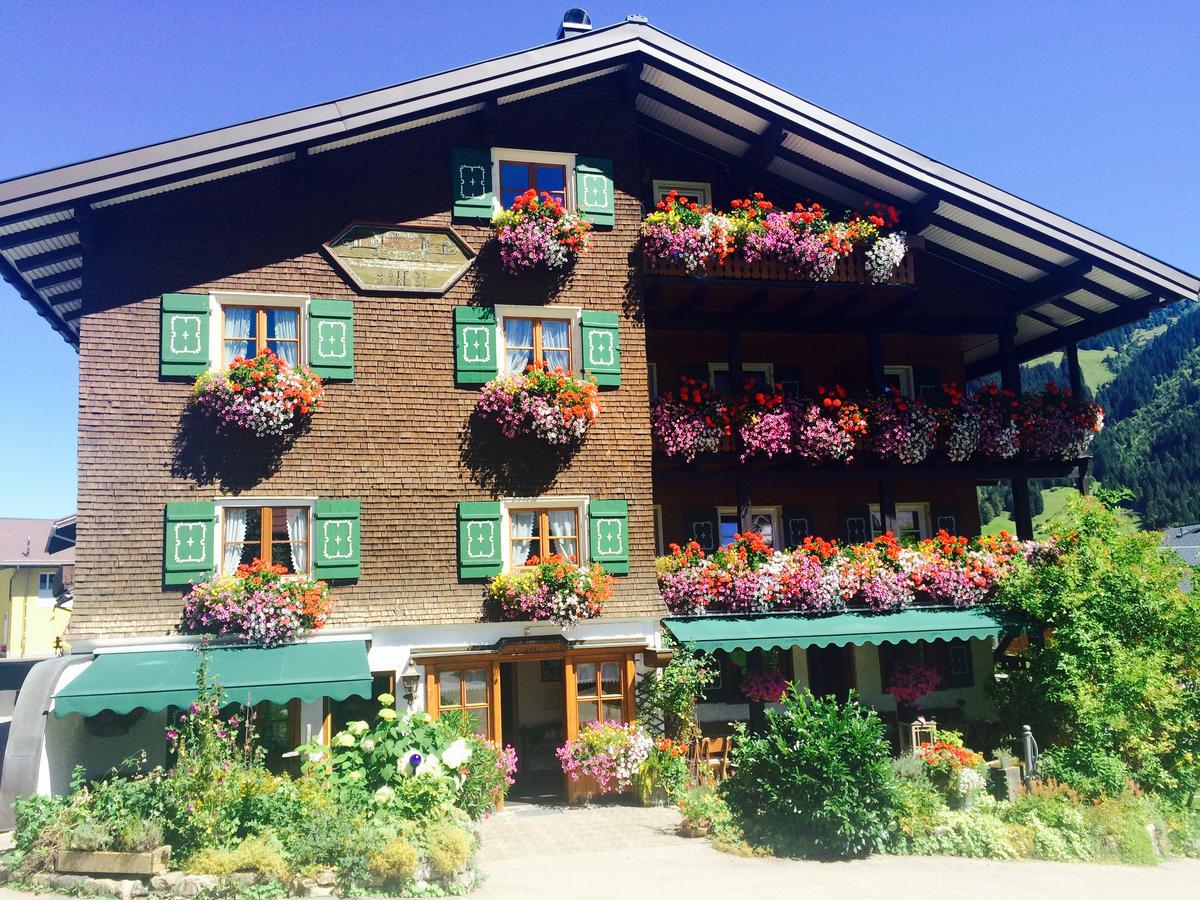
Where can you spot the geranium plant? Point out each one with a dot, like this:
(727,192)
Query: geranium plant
(555,588)
(1057,426)
(260,604)
(902,428)
(682,231)
(539,232)
(548,404)
(263,396)
(689,423)
(610,753)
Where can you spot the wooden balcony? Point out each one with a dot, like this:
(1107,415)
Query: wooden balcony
(850,270)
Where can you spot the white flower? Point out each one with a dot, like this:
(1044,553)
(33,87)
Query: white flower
(357,728)
(429,766)
(384,795)
(367,744)
(969,781)
(343,739)
(316,756)
(387,714)
(456,754)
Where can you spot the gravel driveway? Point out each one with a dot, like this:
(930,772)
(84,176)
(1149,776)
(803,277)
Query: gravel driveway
(621,851)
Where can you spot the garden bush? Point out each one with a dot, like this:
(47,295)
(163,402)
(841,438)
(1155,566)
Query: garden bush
(262,854)
(449,847)
(667,697)
(817,781)
(395,863)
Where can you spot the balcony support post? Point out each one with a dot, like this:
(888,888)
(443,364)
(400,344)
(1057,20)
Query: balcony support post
(1010,380)
(1022,511)
(887,506)
(875,360)
(1074,373)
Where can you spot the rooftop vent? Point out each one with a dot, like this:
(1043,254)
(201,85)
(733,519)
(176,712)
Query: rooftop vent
(575,21)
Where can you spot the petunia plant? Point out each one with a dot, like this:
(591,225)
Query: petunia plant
(263,395)
(551,405)
(538,232)
(556,589)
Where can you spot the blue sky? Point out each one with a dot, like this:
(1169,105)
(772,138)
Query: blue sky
(1086,108)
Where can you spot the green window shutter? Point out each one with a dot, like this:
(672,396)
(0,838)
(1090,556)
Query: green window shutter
(479,540)
(704,527)
(471,182)
(476,356)
(331,339)
(594,190)
(944,515)
(336,540)
(189,533)
(856,524)
(797,525)
(608,535)
(927,381)
(790,378)
(601,347)
(185,324)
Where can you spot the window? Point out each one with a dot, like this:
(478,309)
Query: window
(468,691)
(339,713)
(279,534)
(277,728)
(46,586)
(759,373)
(731,670)
(516,171)
(692,191)
(762,520)
(652,378)
(599,692)
(537,342)
(950,659)
(248,330)
(910,522)
(899,379)
(537,533)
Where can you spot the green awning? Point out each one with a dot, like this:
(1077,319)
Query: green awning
(156,679)
(710,633)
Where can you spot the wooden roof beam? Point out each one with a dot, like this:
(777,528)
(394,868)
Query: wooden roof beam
(38,233)
(1051,287)
(48,258)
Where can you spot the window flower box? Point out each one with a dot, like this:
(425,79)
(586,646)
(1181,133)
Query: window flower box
(748,576)
(551,589)
(539,233)
(263,396)
(259,604)
(754,240)
(549,405)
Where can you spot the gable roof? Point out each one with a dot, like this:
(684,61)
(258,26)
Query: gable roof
(37,542)
(1068,281)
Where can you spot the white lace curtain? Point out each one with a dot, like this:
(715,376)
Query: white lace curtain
(523,528)
(518,342)
(283,327)
(239,325)
(562,532)
(235,534)
(297,529)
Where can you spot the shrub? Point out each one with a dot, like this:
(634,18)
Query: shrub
(35,817)
(667,697)
(449,848)
(974,833)
(1054,815)
(665,769)
(817,781)
(139,837)
(395,863)
(1086,768)
(703,808)
(261,854)
(918,809)
(1117,828)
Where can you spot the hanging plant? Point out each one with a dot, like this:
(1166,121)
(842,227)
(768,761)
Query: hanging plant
(764,686)
(549,405)
(263,396)
(539,233)
(689,423)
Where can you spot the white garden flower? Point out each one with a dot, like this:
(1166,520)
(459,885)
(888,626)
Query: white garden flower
(367,745)
(343,739)
(430,765)
(387,714)
(316,756)
(357,728)
(456,754)
(384,795)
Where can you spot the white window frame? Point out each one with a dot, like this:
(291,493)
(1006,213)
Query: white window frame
(47,592)
(572,314)
(218,300)
(767,370)
(921,509)
(543,157)
(571,501)
(907,379)
(702,189)
(775,512)
(224,503)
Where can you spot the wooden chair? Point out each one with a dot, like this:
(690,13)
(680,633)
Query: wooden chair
(710,758)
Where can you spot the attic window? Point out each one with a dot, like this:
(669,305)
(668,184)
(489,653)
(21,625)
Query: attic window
(519,170)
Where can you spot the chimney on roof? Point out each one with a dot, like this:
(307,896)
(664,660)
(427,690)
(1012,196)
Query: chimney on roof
(574,21)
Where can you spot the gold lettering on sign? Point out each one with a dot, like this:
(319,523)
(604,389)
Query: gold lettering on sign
(400,258)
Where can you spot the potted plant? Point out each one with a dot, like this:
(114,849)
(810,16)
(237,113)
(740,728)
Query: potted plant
(549,405)
(556,588)
(539,233)
(606,755)
(263,396)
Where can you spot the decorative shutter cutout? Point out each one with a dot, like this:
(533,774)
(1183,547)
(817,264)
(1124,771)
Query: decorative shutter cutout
(608,535)
(944,516)
(336,549)
(601,347)
(471,182)
(189,533)
(594,190)
(185,330)
(480,552)
(476,356)
(704,527)
(797,525)
(856,524)
(331,339)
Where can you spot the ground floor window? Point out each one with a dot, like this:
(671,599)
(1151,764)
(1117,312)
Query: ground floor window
(950,659)
(732,668)
(468,690)
(762,521)
(910,522)
(277,727)
(599,691)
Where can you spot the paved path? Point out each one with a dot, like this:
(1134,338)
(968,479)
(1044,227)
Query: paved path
(619,852)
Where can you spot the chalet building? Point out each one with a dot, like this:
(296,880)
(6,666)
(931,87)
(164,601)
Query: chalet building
(164,262)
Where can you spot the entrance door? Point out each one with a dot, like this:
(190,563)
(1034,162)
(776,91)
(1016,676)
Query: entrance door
(533,715)
(831,671)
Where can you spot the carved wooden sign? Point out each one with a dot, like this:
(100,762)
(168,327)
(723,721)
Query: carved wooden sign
(400,259)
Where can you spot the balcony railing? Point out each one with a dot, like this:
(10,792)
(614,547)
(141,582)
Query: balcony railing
(850,270)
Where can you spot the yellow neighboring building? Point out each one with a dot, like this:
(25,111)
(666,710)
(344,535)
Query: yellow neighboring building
(37,562)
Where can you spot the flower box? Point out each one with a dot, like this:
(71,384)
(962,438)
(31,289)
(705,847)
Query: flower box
(849,270)
(263,396)
(549,405)
(538,233)
(107,862)
(554,588)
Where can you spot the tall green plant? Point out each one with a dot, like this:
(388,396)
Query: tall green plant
(1110,678)
(667,699)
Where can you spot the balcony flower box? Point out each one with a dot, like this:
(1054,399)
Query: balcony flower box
(539,233)
(263,396)
(755,240)
(552,589)
(550,405)
(107,862)
(259,604)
